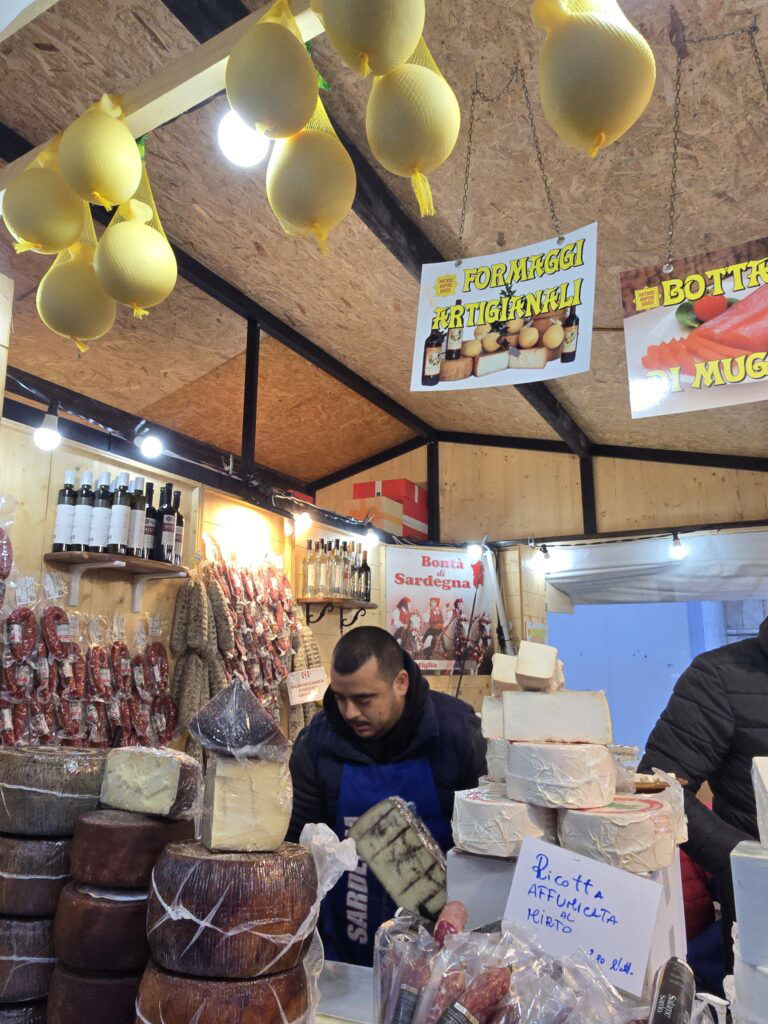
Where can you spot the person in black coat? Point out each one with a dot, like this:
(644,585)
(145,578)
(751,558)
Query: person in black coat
(715,723)
(382,732)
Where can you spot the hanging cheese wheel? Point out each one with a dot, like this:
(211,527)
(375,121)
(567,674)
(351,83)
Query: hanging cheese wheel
(42,212)
(134,262)
(271,81)
(311,183)
(99,158)
(71,302)
(374,37)
(596,72)
(412,122)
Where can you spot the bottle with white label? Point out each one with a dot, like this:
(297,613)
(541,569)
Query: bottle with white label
(179,543)
(138,516)
(65,513)
(120,519)
(81,532)
(102,511)
(165,530)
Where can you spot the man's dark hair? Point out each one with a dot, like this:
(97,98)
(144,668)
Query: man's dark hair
(358,645)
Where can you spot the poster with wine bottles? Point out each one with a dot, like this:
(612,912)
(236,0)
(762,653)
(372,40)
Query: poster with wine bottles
(440,608)
(696,335)
(508,318)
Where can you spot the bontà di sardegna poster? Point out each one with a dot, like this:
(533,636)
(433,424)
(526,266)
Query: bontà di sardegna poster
(697,336)
(508,318)
(429,594)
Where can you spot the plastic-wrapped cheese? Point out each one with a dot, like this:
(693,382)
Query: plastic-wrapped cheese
(229,892)
(760,783)
(561,774)
(43,790)
(487,823)
(101,930)
(537,667)
(91,998)
(503,675)
(634,832)
(26,958)
(32,874)
(247,804)
(751,987)
(147,781)
(235,724)
(749,866)
(568,716)
(492,718)
(496,759)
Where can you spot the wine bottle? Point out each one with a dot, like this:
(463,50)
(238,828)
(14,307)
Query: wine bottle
(136,539)
(120,518)
(165,530)
(455,334)
(433,359)
(570,336)
(365,579)
(179,542)
(150,521)
(65,513)
(81,532)
(102,509)
(308,572)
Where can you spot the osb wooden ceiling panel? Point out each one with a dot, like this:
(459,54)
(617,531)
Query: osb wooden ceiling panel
(307,424)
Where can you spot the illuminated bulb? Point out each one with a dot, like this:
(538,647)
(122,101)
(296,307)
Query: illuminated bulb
(47,436)
(288,527)
(302,522)
(677,550)
(150,446)
(474,552)
(372,539)
(240,144)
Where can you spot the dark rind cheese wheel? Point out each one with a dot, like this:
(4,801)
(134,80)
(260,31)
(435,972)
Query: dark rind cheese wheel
(166,998)
(118,849)
(32,874)
(26,958)
(23,1013)
(98,934)
(43,790)
(79,998)
(273,892)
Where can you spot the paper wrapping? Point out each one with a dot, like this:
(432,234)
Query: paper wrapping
(635,833)
(561,774)
(487,823)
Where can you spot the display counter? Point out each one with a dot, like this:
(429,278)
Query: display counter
(346,994)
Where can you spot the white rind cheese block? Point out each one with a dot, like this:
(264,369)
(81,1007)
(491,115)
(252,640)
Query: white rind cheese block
(569,716)
(760,782)
(496,759)
(487,823)
(492,718)
(749,866)
(536,666)
(561,774)
(162,782)
(247,804)
(503,675)
(751,987)
(634,832)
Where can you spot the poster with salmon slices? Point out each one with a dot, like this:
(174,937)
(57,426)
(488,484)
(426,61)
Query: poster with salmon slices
(697,337)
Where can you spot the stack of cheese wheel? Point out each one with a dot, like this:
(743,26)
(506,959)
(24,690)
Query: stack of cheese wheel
(99,934)
(43,792)
(230,918)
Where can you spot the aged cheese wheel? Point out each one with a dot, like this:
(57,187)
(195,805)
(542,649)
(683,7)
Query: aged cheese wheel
(79,998)
(26,958)
(166,998)
(117,849)
(152,781)
(45,789)
(101,931)
(23,1013)
(228,890)
(32,874)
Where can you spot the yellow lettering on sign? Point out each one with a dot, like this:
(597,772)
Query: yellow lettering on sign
(708,374)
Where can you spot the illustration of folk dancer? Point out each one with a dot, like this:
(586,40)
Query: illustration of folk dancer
(434,626)
(399,620)
(411,640)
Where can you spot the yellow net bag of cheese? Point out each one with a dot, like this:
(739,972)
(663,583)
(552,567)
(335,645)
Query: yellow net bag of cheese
(412,122)
(40,210)
(374,37)
(596,72)
(311,179)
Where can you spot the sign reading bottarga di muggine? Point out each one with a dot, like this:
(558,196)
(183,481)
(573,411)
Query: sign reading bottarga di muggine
(509,318)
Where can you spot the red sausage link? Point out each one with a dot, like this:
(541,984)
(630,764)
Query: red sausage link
(99,676)
(6,555)
(452,919)
(56,631)
(21,631)
(157,658)
(480,998)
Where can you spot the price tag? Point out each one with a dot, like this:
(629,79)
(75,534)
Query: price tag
(154,625)
(25,590)
(308,684)
(573,902)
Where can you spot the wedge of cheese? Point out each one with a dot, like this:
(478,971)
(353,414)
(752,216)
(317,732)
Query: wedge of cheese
(148,781)
(751,988)
(568,716)
(503,673)
(749,866)
(492,718)
(247,804)
(537,666)
(760,782)
(496,759)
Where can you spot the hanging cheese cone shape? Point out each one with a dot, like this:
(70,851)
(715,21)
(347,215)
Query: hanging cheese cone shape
(311,183)
(98,156)
(374,35)
(412,122)
(596,72)
(271,81)
(42,212)
(134,262)
(71,301)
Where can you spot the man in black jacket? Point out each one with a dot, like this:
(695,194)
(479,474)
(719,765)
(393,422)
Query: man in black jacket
(716,722)
(382,732)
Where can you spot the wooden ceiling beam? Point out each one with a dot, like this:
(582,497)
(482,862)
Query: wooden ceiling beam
(30,10)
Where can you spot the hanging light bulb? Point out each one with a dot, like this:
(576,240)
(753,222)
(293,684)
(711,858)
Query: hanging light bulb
(47,436)
(474,552)
(302,522)
(677,550)
(150,445)
(372,539)
(240,144)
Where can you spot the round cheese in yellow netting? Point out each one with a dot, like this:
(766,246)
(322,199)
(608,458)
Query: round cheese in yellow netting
(134,262)
(99,158)
(412,122)
(311,183)
(42,212)
(596,72)
(374,36)
(271,81)
(71,301)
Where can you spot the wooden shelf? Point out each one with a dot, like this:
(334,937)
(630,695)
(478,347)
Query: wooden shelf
(330,604)
(337,602)
(139,571)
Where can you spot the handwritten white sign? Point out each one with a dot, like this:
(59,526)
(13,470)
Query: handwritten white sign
(306,685)
(573,902)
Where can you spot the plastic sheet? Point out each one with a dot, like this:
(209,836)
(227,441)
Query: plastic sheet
(234,724)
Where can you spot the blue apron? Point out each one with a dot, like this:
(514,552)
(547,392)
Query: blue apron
(358,904)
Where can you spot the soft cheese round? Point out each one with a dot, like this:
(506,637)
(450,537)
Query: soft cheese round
(487,823)
(634,832)
(561,774)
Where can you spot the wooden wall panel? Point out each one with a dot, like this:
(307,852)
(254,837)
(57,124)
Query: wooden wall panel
(507,494)
(412,466)
(642,495)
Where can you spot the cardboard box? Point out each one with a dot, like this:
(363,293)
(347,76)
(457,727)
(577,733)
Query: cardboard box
(386,513)
(411,496)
